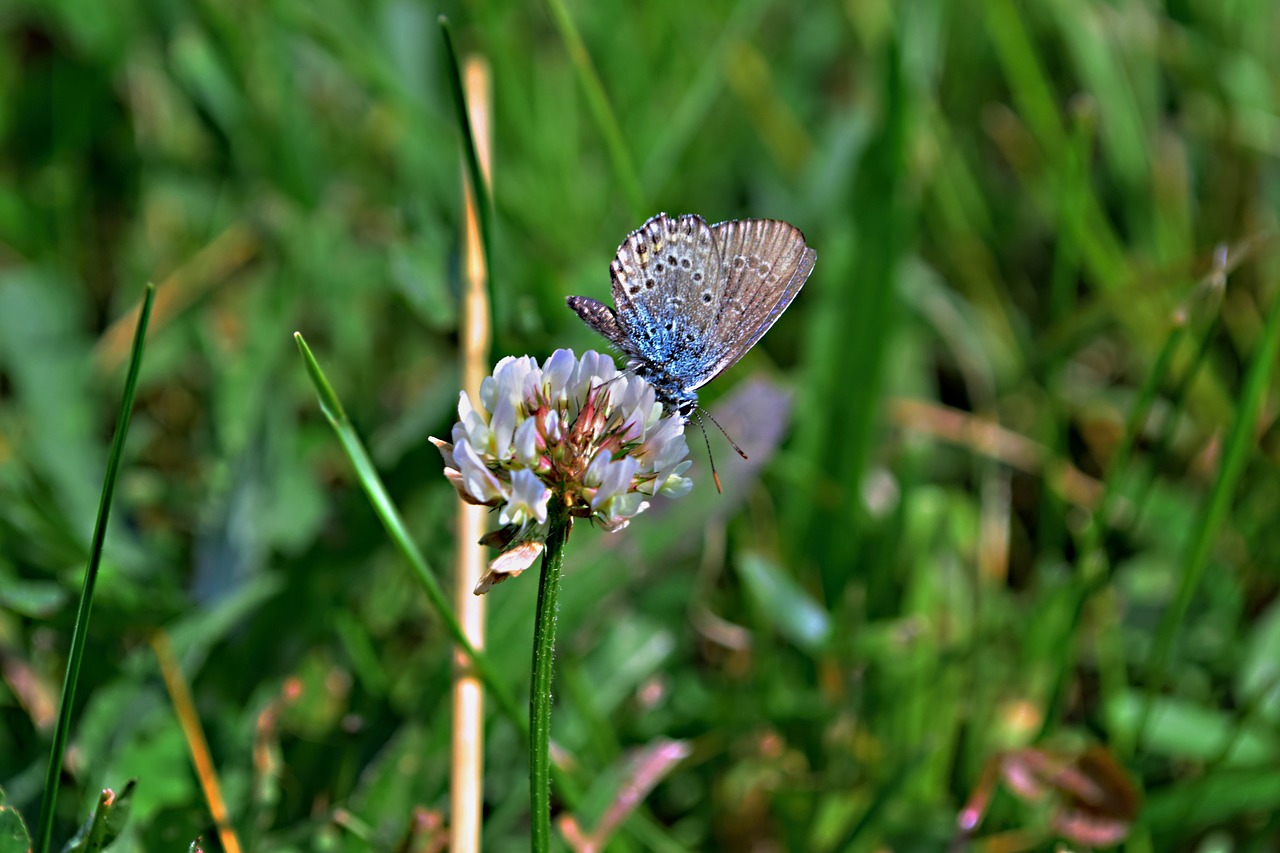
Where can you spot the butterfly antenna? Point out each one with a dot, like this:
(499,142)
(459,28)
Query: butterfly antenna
(715,476)
(707,441)
(732,443)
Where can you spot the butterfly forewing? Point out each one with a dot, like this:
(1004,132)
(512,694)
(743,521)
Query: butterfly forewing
(763,265)
(665,284)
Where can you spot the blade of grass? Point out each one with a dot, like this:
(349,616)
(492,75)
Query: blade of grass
(853,331)
(1092,574)
(210,268)
(106,823)
(699,93)
(1099,247)
(81,631)
(471,153)
(598,103)
(1234,453)
(1178,403)
(885,796)
(1092,578)
(390,518)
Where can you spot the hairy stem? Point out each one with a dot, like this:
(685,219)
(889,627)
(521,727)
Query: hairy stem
(544,639)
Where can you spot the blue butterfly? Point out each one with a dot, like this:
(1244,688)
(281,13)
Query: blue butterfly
(692,298)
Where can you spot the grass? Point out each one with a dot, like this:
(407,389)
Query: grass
(1016,209)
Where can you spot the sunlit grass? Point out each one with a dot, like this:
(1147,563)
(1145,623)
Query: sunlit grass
(1013,471)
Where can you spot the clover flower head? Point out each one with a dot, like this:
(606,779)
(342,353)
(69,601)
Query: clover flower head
(572,430)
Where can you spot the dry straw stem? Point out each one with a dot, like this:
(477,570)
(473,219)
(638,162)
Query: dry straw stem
(467,762)
(213,265)
(184,707)
(996,442)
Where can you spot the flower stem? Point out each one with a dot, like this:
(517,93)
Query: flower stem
(544,640)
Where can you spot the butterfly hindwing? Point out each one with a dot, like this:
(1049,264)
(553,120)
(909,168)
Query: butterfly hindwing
(763,265)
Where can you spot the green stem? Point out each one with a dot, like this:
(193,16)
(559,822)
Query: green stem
(79,634)
(544,642)
(386,511)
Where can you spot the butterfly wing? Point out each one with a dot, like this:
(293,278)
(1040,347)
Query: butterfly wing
(692,298)
(665,284)
(763,265)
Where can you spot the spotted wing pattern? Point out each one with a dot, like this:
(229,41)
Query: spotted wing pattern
(692,299)
(664,285)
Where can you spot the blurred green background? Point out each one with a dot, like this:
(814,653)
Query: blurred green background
(1024,495)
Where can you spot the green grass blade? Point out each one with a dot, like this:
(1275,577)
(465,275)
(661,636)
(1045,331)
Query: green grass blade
(106,823)
(854,330)
(1234,453)
(1092,562)
(663,155)
(1037,103)
(387,513)
(475,175)
(81,631)
(1178,398)
(598,103)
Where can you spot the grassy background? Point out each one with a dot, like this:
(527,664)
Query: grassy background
(1015,208)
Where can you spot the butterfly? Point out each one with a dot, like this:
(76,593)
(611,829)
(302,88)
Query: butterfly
(692,298)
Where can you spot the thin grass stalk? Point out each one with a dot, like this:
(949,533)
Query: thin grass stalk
(598,102)
(79,634)
(467,758)
(476,173)
(185,709)
(1161,452)
(387,513)
(1093,559)
(544,642)
(1234,453)
(1100,250)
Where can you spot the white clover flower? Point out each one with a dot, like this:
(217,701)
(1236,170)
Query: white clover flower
(573,430)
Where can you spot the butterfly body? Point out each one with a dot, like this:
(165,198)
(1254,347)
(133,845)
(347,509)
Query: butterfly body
(692,298)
